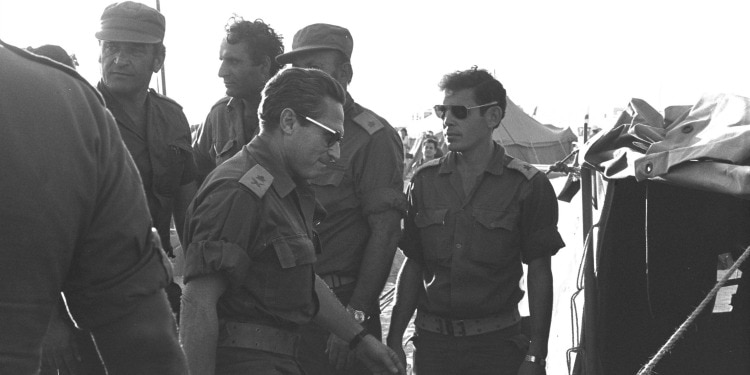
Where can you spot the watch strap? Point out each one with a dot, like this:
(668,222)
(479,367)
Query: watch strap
(357,339)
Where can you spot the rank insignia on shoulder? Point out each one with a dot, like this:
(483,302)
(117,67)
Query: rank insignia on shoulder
(257,179)
(368,121)
(526,169)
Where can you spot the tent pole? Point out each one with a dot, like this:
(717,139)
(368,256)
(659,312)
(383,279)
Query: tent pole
(163,68)
(589,310)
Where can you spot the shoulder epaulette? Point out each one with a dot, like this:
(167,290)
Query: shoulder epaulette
(369,121)
(258,180)
(526,169)
(165,98)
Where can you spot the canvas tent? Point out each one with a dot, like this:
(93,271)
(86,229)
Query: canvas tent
(678,194)
(527,139)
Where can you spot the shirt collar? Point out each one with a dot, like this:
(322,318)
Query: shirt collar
(495,166)
(270,158)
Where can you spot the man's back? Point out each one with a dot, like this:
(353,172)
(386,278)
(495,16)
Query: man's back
(73,217)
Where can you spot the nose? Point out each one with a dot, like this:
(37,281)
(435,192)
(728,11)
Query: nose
(120,58)
(334,152)
(222,70)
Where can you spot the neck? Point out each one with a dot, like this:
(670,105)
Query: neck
(472,162)
(135,100)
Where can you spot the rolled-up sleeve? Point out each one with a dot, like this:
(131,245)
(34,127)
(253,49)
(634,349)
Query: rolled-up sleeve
(220,228)
(540,236)
(410,242)
(380,183)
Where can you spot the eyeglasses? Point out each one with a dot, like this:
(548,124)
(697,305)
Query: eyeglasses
(334,136)
(459,111)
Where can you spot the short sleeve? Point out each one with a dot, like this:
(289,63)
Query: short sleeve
(540,236)
(219,229)
(380,182)
(410,242)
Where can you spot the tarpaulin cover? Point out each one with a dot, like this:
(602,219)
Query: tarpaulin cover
(706,147)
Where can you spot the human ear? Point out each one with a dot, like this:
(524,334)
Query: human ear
(287,121)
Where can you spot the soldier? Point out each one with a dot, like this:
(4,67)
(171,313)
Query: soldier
(247,61)
(363,195)
(249,274)
(74,219)
(154,128)
(474,215)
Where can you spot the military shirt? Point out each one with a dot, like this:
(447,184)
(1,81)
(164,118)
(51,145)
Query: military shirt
(73,216)
(253,224)
(162,154)
(367,179)
(229,126)
(471,245)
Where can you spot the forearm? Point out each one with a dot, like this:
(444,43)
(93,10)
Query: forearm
(199,331)
(407,296)
(385,228)
(332,315)
(143,342)
(540,304)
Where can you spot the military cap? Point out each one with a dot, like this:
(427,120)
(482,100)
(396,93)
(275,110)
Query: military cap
(316,37)
(129,21)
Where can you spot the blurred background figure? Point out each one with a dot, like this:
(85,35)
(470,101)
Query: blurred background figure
(55,53)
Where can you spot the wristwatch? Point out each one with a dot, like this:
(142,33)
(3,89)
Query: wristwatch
(534,359)
(358,315)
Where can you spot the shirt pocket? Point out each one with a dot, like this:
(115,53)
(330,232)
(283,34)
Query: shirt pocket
(293,251)
(495,237)
(173,163)
(290,287)
(433,233)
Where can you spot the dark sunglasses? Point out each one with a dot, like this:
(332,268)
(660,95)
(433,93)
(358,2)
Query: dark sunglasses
(333,136)
(459,111)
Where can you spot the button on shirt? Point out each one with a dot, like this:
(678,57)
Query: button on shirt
(253,224)
(471,244)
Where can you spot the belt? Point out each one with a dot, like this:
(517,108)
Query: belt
(258,337)
(466,327)
(335,281)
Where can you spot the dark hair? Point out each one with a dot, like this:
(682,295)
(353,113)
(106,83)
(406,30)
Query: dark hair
(430,140)
(300,89)
(485,87)
(55,53)
(261,40)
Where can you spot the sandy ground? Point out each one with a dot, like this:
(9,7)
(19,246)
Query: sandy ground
(564,269)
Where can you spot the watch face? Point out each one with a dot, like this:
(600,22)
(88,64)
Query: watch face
(359,316)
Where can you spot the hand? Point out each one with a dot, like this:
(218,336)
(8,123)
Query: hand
(529,368)
(60,354)
(339,354)
(379,358)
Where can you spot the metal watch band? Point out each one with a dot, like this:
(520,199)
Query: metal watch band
(534,359)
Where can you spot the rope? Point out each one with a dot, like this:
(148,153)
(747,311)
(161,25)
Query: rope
(648,369)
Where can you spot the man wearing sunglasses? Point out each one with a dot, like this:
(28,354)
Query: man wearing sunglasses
(474,216)
(363,195)
(249,276)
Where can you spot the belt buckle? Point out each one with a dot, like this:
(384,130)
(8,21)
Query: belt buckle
(459,328)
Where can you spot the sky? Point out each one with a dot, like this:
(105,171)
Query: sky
(562,59)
